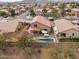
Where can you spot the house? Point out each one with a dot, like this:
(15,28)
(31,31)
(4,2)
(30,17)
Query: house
(38,24)
(10,26)
(71,18)
(10,18)
(75,11)
(25,16)
(4,10)
(2,18)
(50,18)
(75,22)
(49,11)
(38,11)
(66,28)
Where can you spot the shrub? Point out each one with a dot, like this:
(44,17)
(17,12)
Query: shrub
(25,41)
(69,40)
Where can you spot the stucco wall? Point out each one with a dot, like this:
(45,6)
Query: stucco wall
(40,26)
(69,33)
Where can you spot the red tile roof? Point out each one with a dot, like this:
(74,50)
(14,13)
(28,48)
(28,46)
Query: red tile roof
(42,20)
(9,26)
(63,25)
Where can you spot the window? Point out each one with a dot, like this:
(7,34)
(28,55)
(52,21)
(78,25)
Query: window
(45,29)
(73,34)
(40,32)
(19,29)
(63,34)
(78,24)
(51,19)
(0,30)
(35,32)
(35,25)
(26,23)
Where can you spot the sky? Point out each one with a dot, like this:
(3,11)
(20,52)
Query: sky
(18,0)
(9,0)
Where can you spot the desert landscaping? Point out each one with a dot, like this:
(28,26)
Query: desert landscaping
(56,51)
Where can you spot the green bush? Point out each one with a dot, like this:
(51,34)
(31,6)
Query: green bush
(69,40)
(25,41)
(2,13)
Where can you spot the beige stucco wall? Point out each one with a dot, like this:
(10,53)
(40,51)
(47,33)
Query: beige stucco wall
(40,26)
(70,32)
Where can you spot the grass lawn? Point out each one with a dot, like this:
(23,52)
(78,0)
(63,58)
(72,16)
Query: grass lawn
(69,40)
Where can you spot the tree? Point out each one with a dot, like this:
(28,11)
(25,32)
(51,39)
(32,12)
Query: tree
(12,12)
(77,4)
(32,11)
(2,13)
(62,6)
(54,14)
(44,10)
(63,12)
(25,41)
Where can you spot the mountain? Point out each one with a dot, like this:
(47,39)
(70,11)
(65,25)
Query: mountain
(45,1)
(37,1)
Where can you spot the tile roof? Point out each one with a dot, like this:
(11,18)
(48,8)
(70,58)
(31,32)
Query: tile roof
(8,26)
(71,17)
(10,18)
(32,29)
(42,20)
(75,9)
(63,25)
(1,18)
(25,16)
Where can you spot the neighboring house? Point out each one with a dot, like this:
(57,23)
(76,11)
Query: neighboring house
(38,24)
(25,17)
(50,18)
(75,11)
(1,18)
(71,18)
(49,11)
(38,11)
(75,22)
(10,18)
(66,28)
(10,26)
(4,10)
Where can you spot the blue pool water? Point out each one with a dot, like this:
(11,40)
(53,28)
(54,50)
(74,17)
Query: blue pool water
(45,40)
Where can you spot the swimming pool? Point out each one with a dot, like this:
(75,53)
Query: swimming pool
(45,40)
